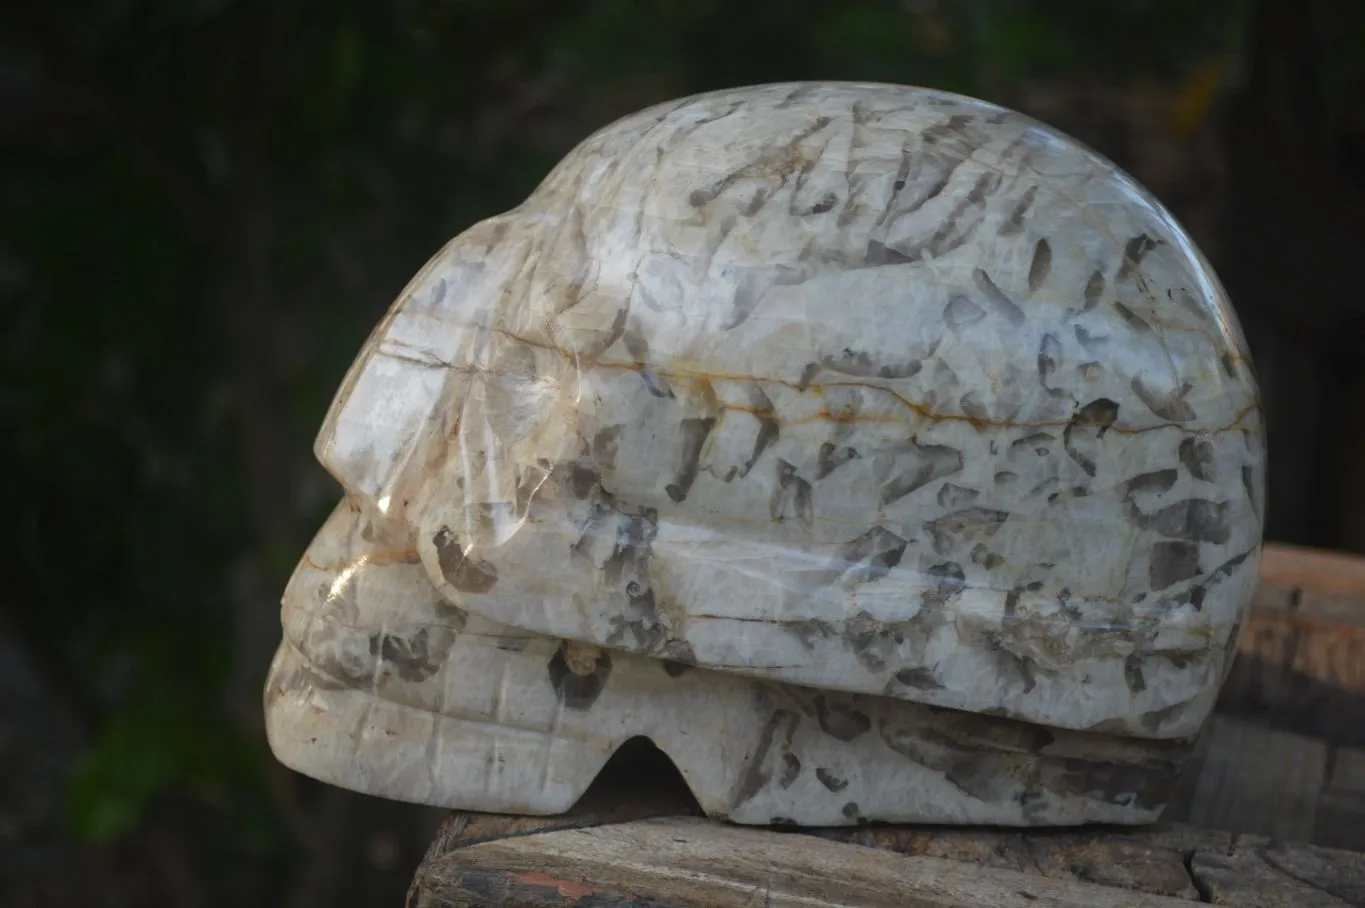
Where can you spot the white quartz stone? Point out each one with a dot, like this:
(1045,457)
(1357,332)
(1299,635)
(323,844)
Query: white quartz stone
(384,687)
(866,388)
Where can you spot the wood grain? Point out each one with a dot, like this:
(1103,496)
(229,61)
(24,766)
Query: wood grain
(1301,661)
(693,861)
(690,861)
(1262,873)
(1292,566)
(1341,806)
(1253,779)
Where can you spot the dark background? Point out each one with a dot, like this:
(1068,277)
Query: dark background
(207,204)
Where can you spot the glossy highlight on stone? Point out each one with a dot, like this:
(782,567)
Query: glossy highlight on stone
(881,392)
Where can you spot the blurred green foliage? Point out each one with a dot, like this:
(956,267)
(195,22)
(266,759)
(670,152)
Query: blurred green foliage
(209,203)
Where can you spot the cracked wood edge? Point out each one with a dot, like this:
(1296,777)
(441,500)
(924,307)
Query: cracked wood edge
(1257,872)
(690,861)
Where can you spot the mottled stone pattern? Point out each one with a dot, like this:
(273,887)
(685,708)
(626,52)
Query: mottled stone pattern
(861,387)
(878,453)
(384,687)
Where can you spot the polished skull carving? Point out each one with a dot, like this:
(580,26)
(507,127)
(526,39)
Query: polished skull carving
(778,404)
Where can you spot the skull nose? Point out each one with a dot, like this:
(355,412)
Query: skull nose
(376,423)
(397,397)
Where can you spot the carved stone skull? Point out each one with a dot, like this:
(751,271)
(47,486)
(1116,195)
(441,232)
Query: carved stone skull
(775,421)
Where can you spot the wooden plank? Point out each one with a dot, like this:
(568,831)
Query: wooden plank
(1258,780)
(1292,566)
(690,861)
(1301,662)
(1170,859)
(1341,807)
(1348,770)
(1151,861)
(1261,873)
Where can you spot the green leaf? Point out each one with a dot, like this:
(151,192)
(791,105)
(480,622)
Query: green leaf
(134,759)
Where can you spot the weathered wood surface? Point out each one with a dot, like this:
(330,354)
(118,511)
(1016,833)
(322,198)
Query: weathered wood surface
(1301,665)
(1319,570)
(1341,807)
(1270,814)
(1251,778)
(690,861)
(679,861)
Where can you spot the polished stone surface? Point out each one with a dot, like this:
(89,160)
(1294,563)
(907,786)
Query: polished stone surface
(383,687)
(865,388)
